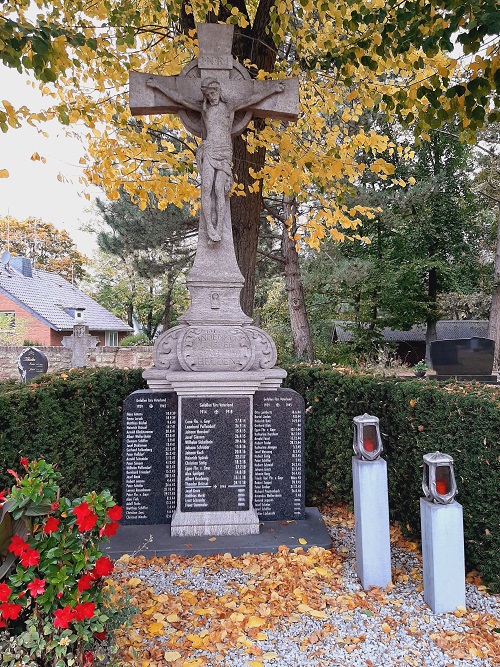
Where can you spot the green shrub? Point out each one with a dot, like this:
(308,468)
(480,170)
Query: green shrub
(415,418)
(72,419)
(134,340)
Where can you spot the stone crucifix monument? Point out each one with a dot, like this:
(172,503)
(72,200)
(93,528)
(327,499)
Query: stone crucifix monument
(214,445)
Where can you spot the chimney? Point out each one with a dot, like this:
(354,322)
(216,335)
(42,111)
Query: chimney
(23,265)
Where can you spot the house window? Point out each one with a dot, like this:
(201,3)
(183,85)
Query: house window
(111,338)
(7,320)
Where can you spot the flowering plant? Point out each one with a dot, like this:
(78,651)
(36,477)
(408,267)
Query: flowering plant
(51,568)
(420,367)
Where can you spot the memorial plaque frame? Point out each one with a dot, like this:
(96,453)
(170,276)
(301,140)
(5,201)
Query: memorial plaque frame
(278,455)
(149,457)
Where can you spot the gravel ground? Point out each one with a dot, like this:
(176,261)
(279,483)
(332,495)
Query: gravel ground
(385,628)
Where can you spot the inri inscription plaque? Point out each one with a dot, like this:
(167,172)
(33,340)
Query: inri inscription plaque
(149,457)
(279,455)
(215,455)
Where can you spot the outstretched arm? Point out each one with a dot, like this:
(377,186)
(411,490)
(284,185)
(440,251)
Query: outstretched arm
(279,87)
(173,94)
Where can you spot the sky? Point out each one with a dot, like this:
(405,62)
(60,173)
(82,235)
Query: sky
(32,188)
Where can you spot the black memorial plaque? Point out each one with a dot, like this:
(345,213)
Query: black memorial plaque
(32,362)
(463,356)
(149,457)
(215,454)
(278,448)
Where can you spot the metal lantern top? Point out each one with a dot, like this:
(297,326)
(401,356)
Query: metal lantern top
(367,443)
(438,481)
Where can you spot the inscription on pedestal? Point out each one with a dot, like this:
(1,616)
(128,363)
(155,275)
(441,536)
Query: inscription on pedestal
(215,454)
(149,457)
(279,455)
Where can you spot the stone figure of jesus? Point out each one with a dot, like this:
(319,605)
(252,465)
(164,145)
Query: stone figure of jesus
(214,156)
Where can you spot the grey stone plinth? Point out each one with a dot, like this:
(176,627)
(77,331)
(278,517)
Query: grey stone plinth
(156,540)
(188,524)
(371,520)
(194,383)
(443,555)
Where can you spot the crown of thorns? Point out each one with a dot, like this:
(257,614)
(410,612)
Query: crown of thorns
(209,82)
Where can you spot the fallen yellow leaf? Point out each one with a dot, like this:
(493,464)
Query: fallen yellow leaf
(196,662)
(386,627)
(135,581)
(173,618)
(255,663)
(172,656)
(4,173)
(255,622)
(261,637)
(196,641)
(155,628)
(302,540)
(203,611)
(212,539)
(269,656)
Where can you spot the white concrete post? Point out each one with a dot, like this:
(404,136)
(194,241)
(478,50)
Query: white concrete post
(371,521)
(443,555)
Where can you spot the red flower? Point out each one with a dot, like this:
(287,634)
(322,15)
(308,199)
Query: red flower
(59,595)
(36,587)
(18,546)
(103,566)
(54,505)
(101,636)
(5,591)
(84,583)
(109,529)
(88,658)
(84,610)
(24,462)
(86,519)
(51,525)
(115,513)
(14,474)
(29,557)
(2,496)
(10,610)
(63,617)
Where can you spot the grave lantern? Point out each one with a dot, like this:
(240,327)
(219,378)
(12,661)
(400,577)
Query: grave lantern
(438,482)
(367,443)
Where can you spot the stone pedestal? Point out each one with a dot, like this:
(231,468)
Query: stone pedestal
(213,465)
(443,555)
(371,520)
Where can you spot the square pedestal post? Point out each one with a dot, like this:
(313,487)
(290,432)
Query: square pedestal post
(371,515)
(443,555)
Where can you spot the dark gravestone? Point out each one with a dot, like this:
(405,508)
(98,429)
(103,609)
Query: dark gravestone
(463,358)
(215,456)
(279,455)
(149,457)
(32,362)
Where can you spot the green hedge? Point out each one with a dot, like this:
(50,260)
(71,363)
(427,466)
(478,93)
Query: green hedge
(74,421)
(415,418)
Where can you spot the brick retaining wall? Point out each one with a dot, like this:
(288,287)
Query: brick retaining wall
(60,358)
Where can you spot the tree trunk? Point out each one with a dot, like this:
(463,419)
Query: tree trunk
(130,314)
(168,308)
(245,218)
(301,331)
(430,333)
(494,322)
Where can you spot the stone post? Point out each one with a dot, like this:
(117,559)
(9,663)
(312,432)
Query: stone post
(371,520)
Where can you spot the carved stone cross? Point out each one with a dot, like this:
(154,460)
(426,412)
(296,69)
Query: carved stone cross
(215,99)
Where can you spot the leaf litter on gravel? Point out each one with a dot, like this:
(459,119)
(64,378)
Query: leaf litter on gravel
(263,609)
